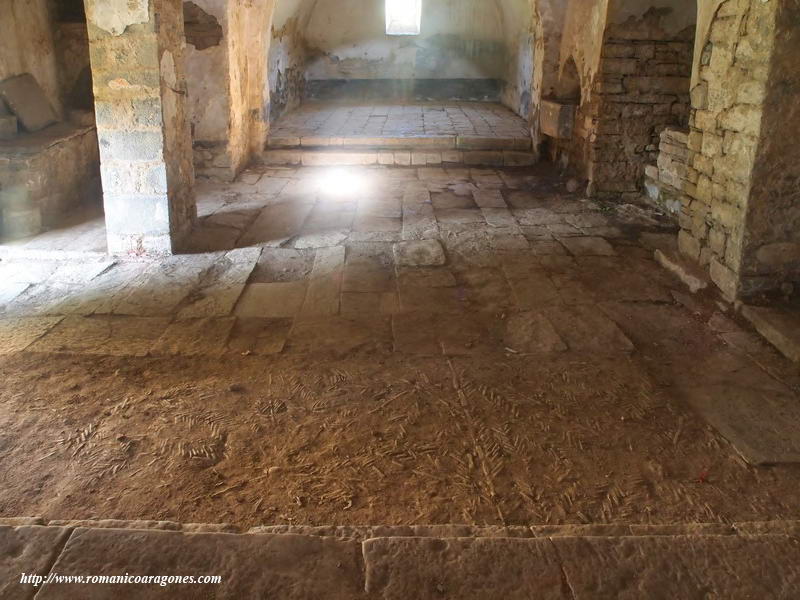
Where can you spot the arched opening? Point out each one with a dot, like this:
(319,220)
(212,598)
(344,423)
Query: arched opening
(640,90)
(465,51)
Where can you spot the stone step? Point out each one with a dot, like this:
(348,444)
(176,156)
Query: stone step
(443,142)
(328,157)
(779,325)
(748,560)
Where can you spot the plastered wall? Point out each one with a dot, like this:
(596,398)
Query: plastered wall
(488,43)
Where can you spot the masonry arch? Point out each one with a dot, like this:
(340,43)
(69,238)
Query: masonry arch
(466,50)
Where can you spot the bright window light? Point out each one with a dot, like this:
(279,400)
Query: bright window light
(403,17)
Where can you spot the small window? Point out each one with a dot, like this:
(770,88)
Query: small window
(403,17)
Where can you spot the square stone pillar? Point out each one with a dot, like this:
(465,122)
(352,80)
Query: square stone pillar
(145,142)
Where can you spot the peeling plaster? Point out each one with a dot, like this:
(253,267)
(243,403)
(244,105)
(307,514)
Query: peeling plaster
(115,16)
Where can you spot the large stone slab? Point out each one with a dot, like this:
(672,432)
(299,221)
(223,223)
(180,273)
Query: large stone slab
(277,224)
(272,300)
(424,253)
(760,424)
(80,272)
(288,567)
(466,569)
(26,99)
(193,337)
(324,287)
(780,327)
(531,332)
(367,276)
(588,246)
(530,284)
(586,329)
(259,336)
(161,287)
(724,566)
(103,334)
(10,291)
(223,286)
(415,333)
(338,334)
(19,333)
(28,550)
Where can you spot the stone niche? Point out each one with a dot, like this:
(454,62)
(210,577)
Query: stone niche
(557,119)
(46,174)
(47,167)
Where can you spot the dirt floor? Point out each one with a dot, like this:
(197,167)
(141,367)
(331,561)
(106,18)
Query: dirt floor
(373,438)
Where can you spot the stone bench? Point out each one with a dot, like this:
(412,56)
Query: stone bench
(46,174)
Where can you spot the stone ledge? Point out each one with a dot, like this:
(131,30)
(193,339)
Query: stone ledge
(692,276)
(365,532)
(422,142)
(779,326)
(397,157)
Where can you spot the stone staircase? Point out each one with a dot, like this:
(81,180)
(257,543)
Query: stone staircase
(741,560)
(406,151)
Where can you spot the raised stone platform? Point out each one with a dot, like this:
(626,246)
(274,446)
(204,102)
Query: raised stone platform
(401,157)
(45,176)
(470,133)
(741,560)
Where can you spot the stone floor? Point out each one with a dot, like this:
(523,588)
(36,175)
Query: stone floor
(81,235)
(330,120)
(744,560)
(447,287)
(426,262)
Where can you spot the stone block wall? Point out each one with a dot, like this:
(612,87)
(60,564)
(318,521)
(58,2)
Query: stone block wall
(45,176)
(771,245)
(667,182)
(641,89)
(726,129)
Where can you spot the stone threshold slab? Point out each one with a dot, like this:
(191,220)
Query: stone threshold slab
(780,326)
(364,532)
(758,562)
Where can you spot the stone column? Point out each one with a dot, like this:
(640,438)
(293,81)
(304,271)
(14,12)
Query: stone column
(145,142)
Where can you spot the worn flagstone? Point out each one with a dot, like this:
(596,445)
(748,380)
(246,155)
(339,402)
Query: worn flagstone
(272,300)
(463,568)
(218,295)
(730,567)
(17,334)
(29,550)
(103,334)
(324,286)
(288,567)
